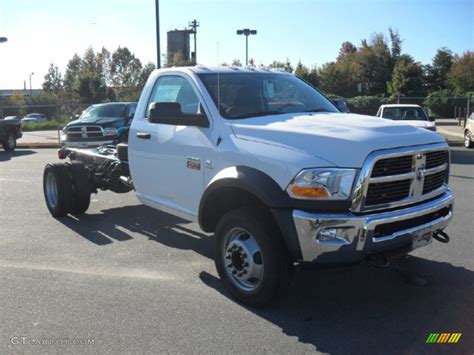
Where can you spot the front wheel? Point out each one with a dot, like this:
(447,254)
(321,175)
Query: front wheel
(9,144)
(468,143)
(251,257)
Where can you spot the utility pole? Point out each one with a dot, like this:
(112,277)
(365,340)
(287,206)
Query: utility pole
(31,90)
(158,50)
(194,25)
(247,32)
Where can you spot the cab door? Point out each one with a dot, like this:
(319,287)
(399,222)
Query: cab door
(168,160)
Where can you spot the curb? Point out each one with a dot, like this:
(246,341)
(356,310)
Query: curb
(37,145)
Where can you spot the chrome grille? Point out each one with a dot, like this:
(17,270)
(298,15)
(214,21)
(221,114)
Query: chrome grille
(384,192)
(403,176)
(434,181)
(434,159)
(85,132)
(393,166)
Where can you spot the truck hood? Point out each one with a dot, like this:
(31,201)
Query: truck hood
(101,121)
(343,139)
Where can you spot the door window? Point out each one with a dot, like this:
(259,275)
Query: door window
(173,88)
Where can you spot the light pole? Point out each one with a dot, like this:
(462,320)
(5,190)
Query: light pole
(247,32)
(31,90)
(3,39)
(158,51)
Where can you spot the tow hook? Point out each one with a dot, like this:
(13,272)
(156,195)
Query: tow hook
(441,236)
(378,260)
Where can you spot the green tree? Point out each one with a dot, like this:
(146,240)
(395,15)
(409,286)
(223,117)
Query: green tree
(144,74)
(347,49)
(177,60)
(125,71)
(73,71)
(286,66)
(437,73)
(53,80)
(461,75)
(396,44)
(406,78)
(375,65)
(307,74)
(236,63)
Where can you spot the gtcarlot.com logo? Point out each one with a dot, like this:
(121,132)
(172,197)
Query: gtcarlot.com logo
(23,340)
(443,338)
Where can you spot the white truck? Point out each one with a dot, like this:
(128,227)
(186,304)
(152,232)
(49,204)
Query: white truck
(409,114)
(268,164)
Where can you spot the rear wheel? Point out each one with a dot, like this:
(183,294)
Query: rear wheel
(468,143)
(81,187)
(9,144)
(251,257)
(57,188)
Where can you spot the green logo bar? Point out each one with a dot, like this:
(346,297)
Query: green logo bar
(432,338)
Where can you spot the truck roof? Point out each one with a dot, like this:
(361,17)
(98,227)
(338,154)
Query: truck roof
(400,105)
(201,69)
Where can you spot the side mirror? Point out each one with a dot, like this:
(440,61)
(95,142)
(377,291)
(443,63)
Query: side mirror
(170,113)
(431,118)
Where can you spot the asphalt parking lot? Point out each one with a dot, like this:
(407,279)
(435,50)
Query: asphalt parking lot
(131,279)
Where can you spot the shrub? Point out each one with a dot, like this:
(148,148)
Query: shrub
(440,104)
(366,105)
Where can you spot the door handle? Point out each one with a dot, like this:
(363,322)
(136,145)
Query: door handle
(143,135)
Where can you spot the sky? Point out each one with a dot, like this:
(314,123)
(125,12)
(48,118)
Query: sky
(41,32)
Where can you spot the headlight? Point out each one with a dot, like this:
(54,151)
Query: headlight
(110,131)
(323,184)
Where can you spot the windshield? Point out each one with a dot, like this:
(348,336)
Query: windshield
(245,95)
(106,111)
(405,113)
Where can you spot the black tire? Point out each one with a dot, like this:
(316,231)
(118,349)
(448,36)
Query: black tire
(9,144)
(81,187)
(468,143)
(274,257)
(61,204)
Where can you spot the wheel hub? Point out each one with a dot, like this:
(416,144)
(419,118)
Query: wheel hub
(243,260)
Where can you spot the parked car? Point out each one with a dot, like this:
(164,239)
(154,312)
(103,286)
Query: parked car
(341,105)
(469,132)
(307,185)
(410,114)
(34,118)
(9,118)
(99,124)
(10,131)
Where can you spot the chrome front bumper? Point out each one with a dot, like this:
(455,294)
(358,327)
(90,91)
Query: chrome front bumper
(358,232)
(85,144)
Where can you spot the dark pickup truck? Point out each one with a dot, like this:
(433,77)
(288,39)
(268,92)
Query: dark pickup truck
(10,131)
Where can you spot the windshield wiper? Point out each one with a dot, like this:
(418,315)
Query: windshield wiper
(258,114)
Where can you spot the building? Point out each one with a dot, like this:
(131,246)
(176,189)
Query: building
(178,41)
